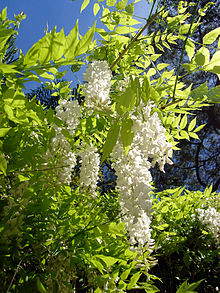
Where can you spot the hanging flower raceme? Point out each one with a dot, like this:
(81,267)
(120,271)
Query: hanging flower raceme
(89,171)
(211,219)
(149,146)
(60,153)
(98,82)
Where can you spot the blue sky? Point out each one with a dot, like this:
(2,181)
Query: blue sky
(60,13)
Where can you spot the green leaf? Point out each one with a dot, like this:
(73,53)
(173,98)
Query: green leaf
(210,37)
(125,274)
(184,134)
(10,113)
(199,92)
(193,135)
(214,94)
(3,164)
(130,8)
(200,59)
(199,128)
(113,228)
(71,42)
(4,131)
(192,124)
(214,64)
(187,288)
(134,280)
(108,260)
(151,72)
(206,55)
(190,49)
(184,29)
(183,122)
(176,121)
(161,66)
(110,2)
(58,41)
(5,35)
(127,134)
(127,99)
(121,4)
(85,42)
(145,89)
(111,140)
(23,178)
(84,5)
(96,8)
(40,286)
(8,68)
(97,264)
(195,285)
(3,14)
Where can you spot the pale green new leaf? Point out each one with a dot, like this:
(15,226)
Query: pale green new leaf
(214,65)
(110,2)
(127,99)
(134,280)
(183,122)
(190,49)
(4,131)
(57,44)
(85,42)
(192,124)
(3,14)
(210,37)
(8,68)
(108,260)
(96,8)
(111,139)
(161,66)
(193,135)
(71,42)
(127,134)
(3,164)
(84,5)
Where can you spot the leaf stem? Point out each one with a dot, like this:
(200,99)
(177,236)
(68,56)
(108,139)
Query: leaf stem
(150,20)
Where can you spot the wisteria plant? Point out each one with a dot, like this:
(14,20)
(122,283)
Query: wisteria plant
(59,232)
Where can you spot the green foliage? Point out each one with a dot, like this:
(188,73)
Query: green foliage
(182,241)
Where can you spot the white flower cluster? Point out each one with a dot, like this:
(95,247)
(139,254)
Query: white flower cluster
(89,170)
(133,172)
(122,84)
(211,218)
(60,153)
(70,113)
(98,77)
(150,136)
(15,222)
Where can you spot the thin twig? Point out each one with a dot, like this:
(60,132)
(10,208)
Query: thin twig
(15,273)
(150,20)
